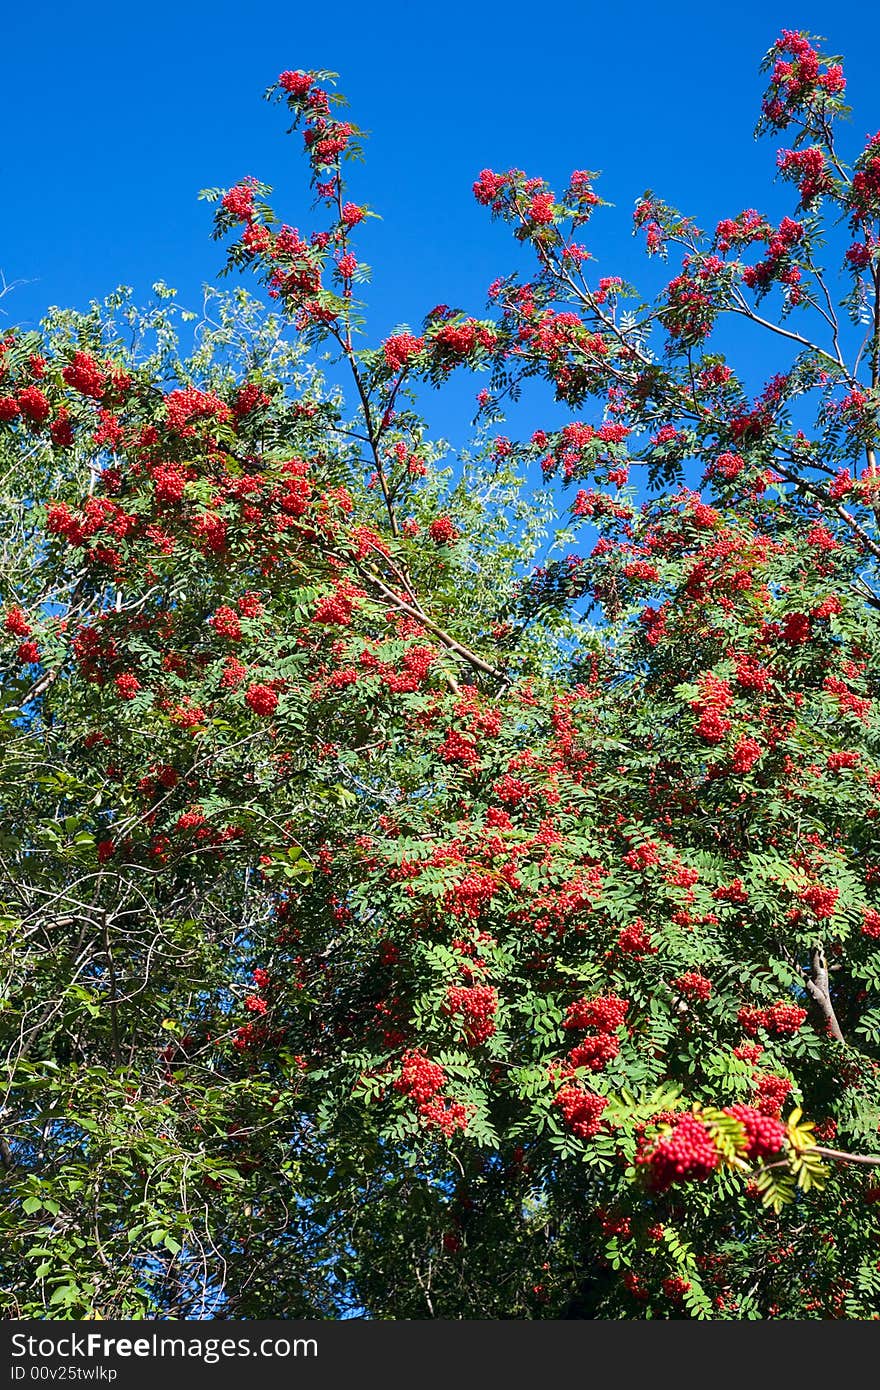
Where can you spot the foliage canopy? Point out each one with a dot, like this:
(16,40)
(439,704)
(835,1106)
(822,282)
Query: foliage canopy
(448,889)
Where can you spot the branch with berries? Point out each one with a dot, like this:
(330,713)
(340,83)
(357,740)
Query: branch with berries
(691,1146)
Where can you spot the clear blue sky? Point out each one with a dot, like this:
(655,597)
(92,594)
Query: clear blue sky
(116,115)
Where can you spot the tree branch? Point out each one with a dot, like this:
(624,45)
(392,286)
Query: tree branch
(819,991)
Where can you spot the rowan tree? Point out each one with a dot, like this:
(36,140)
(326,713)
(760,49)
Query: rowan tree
(447,885)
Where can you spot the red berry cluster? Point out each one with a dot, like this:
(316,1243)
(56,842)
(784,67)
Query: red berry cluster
(764,1134)
(634,940)
(250,398)
(714,698)
(643,856)
(835,762)
(476,1006)
(225,622)
(771,1092)
(777,265)
(34,405)
(16,623)
(865,191)
(689,1151)
(239,202)
(746,753)
(399,348)
(675,1287)
(184,406)
(169,481)
(325,138)
(822,900)
(471,894)
(797,83)
(581,1110)
(262,699)
(606,1012)
(423,1080)
(442,531)
(595,1052)
(458,748)
(871,922)
(635,1285)
(419,660)
(296,83)
(693,985)
(85,376)
(458,340)
(613,1223)
(419,1077)
(783,1019)
(127,685)
(512,790)
(336,608)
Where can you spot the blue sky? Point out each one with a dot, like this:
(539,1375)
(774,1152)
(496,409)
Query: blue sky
(117,115)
